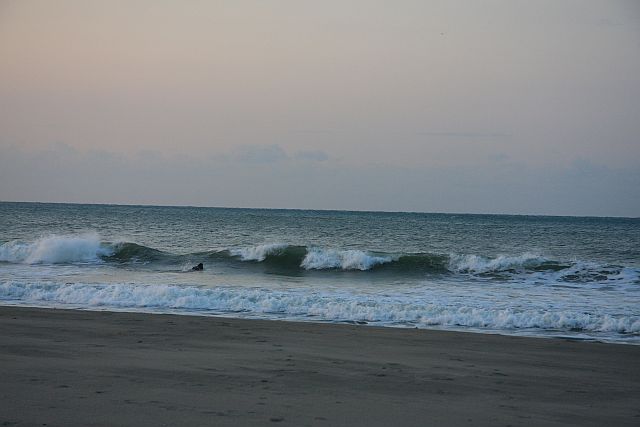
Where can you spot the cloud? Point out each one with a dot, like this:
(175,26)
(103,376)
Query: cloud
(582,188)
(273,153)
(260,154)
(311,155)
(499,157)
(465,135)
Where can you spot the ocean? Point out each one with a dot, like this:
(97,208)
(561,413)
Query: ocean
(570,277)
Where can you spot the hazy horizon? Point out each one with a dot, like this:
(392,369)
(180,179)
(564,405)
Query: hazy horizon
(507,107)
(27,202)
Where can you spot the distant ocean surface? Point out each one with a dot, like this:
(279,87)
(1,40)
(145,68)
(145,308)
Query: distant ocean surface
(522,275)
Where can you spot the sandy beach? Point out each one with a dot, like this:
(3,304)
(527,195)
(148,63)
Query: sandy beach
(81,368)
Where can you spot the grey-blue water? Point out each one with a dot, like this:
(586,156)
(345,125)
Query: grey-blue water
(540,276)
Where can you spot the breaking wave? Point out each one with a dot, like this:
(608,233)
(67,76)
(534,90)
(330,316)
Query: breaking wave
(479,264)
(314,306)
(87,248)
(322,259)
(132,252)
(55,249)
(260,252)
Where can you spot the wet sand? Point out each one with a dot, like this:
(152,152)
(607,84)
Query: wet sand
(79,368)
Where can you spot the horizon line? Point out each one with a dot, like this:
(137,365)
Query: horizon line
(321,209)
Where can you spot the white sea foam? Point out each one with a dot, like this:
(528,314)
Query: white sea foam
(259,252)
(320,259)
(54,249)
(316,305)
(478,264)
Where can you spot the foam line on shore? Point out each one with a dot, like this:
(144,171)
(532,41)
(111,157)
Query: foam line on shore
(313,305)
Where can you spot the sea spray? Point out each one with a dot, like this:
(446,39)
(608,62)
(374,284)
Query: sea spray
(259,252)
(471,263)
(55,249)
(321,259)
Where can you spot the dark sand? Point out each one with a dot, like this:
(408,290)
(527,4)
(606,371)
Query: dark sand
(78,368)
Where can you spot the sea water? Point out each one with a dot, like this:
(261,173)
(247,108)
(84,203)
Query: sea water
(526,275)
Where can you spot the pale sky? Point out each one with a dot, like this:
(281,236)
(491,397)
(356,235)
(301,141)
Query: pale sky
(504,106)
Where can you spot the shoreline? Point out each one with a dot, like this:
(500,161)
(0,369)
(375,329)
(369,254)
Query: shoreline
(81,367)
(516,332)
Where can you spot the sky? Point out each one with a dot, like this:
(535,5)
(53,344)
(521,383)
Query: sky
(499,106)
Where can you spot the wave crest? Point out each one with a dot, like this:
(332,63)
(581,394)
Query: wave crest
(127,252)
(477,264)
(322,259)
(55,249)
(292,259)
(259,252)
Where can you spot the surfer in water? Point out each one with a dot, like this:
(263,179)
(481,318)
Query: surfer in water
(198,267)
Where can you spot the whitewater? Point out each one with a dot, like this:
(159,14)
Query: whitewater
(565,277)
